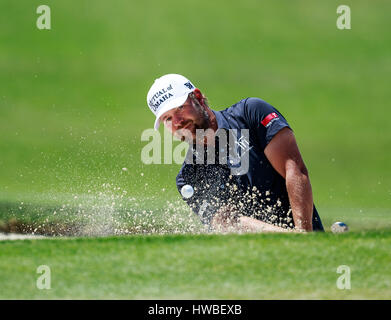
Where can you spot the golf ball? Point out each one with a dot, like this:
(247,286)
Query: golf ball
(187,191)
(339,227)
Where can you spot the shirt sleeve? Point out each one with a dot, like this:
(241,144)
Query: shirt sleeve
(264,119)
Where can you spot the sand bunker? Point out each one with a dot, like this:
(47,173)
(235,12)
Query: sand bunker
(17,236)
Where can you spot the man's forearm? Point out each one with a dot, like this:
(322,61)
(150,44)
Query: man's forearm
(300,197)
(248,224)
(226,220)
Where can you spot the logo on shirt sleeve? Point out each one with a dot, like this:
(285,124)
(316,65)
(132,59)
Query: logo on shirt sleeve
(267,121)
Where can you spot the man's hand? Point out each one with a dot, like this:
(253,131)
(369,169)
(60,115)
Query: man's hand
(284,155)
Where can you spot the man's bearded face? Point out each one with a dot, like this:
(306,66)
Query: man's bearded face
(184,120)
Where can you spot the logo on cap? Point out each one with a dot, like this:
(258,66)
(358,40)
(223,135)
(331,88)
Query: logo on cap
(189,85)
(168,92)
(159,97)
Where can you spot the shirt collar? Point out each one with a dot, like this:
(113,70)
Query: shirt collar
(222,123)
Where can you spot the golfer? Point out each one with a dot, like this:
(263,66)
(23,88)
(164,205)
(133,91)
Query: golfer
(260,185)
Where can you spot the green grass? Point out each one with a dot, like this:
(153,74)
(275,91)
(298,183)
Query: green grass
(199,267)
(73,107)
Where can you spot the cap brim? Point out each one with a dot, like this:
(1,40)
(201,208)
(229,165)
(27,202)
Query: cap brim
(173,104)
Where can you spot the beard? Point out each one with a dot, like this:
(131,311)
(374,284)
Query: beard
(189,131)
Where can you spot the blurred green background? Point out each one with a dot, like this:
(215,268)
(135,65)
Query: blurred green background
(73,98)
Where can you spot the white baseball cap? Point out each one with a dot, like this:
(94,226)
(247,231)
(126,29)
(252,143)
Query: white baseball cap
(168,92)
